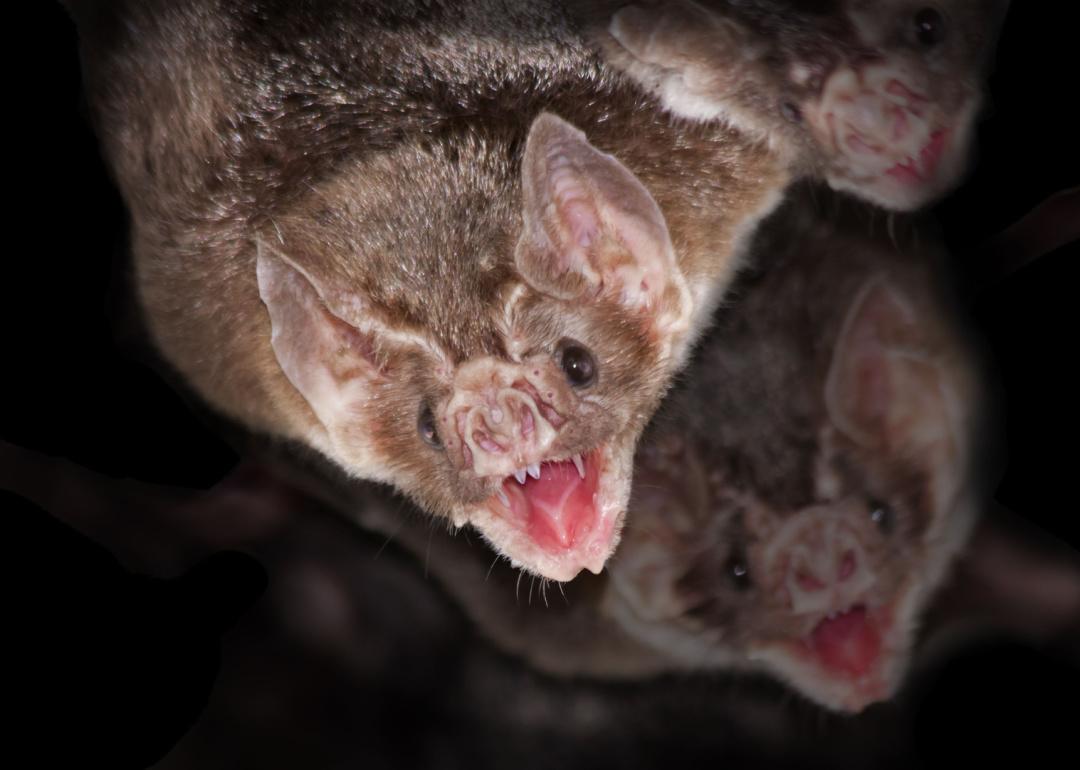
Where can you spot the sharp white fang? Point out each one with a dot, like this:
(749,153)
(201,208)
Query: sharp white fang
(503,497)
(534,470)
(519,474)
(579,465)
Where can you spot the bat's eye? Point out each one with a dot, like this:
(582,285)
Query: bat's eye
(929,27)
(791,112)
(577,364)
(737,571)
(425,426)
(882,515)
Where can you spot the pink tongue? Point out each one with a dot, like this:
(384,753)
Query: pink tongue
(561,507)
(847,644)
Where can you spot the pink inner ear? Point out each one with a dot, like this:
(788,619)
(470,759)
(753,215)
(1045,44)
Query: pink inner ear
(591,226)
(886,389)
(860,391)
(872,389)
(583,222)
(325,358)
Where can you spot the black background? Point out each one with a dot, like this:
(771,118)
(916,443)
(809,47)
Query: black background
(71,389)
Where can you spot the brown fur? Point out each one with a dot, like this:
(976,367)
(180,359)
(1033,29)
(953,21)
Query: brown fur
(286,125)
(394,132)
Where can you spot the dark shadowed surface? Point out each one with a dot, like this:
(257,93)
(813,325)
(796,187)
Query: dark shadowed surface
(413,686)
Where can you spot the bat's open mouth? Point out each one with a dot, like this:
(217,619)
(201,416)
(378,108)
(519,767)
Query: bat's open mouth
(848,660)
(845,644)
(558,516)
(555,500)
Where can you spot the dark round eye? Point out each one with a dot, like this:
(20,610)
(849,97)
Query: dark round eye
(737,571)
(929,27)
(425,426)
(577,363)
(791,112)
(882,515)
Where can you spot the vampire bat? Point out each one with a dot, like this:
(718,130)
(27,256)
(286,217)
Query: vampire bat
(803,495)
(395,233)
(441,243)
(877,98)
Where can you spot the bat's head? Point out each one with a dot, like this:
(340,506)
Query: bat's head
(890,117)
(879,99)
(803,538)
(486,326)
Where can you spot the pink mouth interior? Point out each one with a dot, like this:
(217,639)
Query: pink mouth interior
(847,644)
(916,171)
(558,509)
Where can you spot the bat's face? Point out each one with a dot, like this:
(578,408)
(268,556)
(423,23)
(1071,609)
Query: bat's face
(892,120)
(488,336)
(879,99)
(821,583)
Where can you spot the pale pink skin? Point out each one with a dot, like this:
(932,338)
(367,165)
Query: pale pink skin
(853,650)
(887,140)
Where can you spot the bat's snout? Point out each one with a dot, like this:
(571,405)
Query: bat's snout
(821,564)
(504,419)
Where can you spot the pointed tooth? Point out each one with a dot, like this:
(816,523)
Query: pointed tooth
(519,474)
(579,465)
(503,497)
(534,470)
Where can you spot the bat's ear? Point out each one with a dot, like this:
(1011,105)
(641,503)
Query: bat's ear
(328,347)
(886,387)
(592,230)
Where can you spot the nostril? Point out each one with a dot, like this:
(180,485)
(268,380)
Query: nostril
(858,145)
(807,581)
(487,443)
(528,424)
(847,565)
(520,408)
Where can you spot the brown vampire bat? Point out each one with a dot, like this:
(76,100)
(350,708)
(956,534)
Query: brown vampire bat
(441,243)
(878,98)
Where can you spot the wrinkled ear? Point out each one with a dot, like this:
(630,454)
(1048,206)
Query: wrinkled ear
(332,361)
(885,388)
(697,56)
(592,229)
